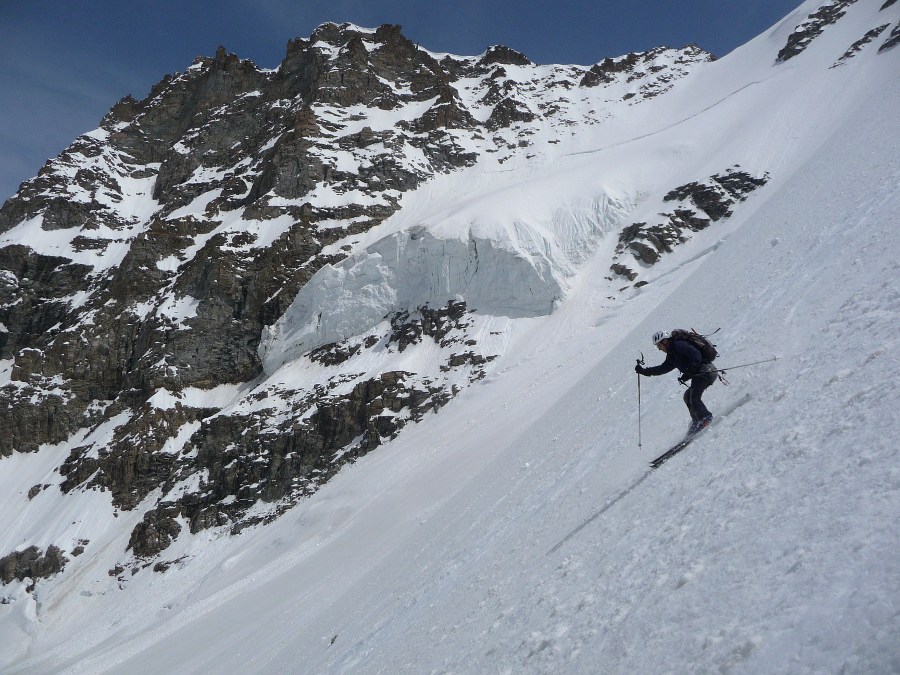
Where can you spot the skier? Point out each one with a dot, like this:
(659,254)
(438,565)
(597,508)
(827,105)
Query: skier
(688,359)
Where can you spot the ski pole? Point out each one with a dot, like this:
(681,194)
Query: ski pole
(640,363)
(744,365)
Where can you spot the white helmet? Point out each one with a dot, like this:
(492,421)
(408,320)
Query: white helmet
(661,335)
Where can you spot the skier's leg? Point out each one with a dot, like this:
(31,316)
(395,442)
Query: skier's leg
(687,402)
(695,397)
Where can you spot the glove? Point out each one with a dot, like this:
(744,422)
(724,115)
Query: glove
(684,379)
(640,370)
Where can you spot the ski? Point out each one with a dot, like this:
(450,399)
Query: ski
(671,452)
(683,443)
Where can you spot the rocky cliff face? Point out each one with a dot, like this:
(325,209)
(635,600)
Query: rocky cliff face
(139,269)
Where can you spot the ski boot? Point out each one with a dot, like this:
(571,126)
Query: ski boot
(702,423)
(699,425)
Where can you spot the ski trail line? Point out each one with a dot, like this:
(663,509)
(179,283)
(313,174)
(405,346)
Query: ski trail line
(668,126)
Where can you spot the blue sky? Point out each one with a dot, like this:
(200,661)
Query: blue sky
(64,63)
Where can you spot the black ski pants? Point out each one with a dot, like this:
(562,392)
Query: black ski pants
(693,396)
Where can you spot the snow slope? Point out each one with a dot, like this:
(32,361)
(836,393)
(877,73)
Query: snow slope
(769,546)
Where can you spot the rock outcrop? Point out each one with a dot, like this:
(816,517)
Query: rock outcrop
(814,25)
(32,563)
(892,41)
(700,203)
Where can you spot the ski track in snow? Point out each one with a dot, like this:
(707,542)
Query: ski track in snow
(768,545)
(668,127)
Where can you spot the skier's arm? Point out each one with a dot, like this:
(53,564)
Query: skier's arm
(666,366)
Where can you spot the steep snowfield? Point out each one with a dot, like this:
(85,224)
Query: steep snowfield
(770,545)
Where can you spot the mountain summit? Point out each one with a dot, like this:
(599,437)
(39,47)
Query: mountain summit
(305,369)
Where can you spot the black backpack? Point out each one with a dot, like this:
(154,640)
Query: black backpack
(706,348)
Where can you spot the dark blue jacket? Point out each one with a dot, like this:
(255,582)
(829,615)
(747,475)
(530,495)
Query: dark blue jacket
(682,355)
